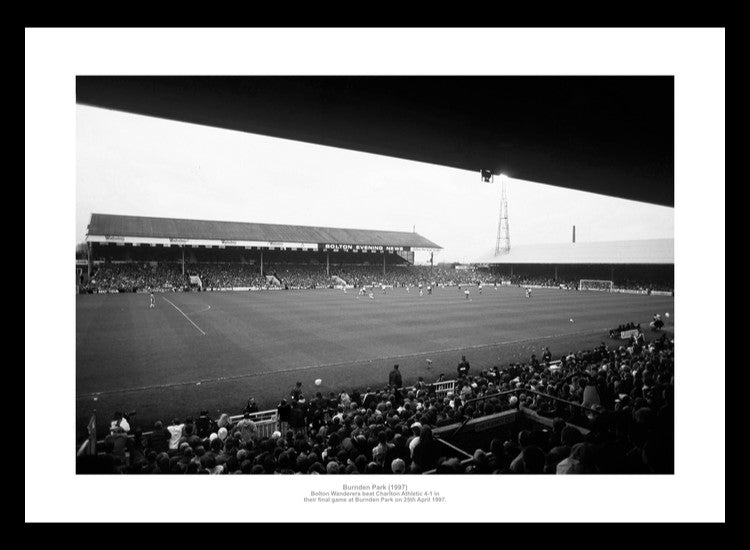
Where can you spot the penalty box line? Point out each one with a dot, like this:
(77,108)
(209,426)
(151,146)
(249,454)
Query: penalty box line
(186,317)
(329,365)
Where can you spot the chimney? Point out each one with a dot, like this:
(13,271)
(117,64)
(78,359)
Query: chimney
(574,233)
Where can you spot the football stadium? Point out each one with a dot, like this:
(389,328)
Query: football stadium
(244,315)
(226,346)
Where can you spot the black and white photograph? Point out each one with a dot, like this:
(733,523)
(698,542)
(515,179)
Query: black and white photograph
(438,282)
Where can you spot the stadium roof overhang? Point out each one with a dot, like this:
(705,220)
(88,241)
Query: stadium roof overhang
(611,135)
(634,252)
(140,230)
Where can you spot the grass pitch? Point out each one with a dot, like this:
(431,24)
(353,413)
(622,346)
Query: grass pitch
(214,350)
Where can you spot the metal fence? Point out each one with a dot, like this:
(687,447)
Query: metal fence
(266,422)
(442,389)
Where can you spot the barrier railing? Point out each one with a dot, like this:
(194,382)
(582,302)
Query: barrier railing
(518,405)
(266,422)
(519,410)
(442,389)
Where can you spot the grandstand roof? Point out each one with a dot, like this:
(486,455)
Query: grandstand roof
(611,135)
(646,251)
(108,225)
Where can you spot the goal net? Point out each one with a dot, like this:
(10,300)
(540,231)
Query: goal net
(595,284)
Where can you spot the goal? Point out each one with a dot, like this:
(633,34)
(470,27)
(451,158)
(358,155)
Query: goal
(595,284)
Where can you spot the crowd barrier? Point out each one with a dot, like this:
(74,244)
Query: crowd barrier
(442,389)
(556,364)
(266,422)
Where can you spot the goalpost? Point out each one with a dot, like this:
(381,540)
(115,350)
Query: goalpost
(596,284)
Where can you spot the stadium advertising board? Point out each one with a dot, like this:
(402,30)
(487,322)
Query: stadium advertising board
(557,287)
(336,247)
(206,243)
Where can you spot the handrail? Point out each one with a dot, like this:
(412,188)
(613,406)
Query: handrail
(520,390)
(535,392)
(572,403)
(457,449)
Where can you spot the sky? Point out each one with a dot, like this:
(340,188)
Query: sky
(137,165)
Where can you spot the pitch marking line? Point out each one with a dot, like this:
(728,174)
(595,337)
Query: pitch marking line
(328,365)
(186,317)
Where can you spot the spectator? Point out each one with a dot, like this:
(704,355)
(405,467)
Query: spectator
(246,428)
(159,439)
(394,378)
(297,392)
(117,443)
(426,452)
(175,430)
(398,466)
(251,406)
(204,425)
(390,429)
(284,411)
(463,367)
(118,420)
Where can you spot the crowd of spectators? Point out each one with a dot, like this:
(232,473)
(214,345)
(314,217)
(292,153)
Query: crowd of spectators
(613,413)
(644,285)
(522,280)
(302,276)
(401,276)
(227,275)
(129,277)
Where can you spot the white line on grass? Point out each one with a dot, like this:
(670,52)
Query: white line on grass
(186,317)
(336,364)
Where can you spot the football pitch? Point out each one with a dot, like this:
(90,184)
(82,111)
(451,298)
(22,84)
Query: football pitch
(214,350)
